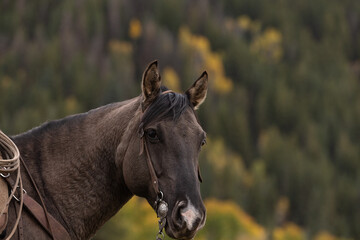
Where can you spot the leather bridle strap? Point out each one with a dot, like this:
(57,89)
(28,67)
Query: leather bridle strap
(154,179)
(160,205)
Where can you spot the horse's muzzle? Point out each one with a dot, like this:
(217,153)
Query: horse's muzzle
(186,220)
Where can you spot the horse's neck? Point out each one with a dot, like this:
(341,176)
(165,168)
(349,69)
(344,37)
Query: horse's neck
(73,162)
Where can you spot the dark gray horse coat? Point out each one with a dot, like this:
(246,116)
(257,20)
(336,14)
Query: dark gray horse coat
(88,166)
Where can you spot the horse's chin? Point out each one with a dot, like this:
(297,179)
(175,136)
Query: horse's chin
(178,235)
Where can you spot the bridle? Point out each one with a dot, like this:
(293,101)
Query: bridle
(161,207)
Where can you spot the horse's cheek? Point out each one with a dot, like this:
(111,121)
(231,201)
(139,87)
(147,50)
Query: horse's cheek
(134,173)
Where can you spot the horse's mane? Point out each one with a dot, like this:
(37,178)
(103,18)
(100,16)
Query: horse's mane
(166,106)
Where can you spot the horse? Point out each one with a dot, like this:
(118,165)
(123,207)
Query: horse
(88,166)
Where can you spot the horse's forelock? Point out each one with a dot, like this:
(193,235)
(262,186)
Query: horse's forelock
(166,106)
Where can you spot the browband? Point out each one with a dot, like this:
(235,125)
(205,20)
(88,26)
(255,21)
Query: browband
(167,91)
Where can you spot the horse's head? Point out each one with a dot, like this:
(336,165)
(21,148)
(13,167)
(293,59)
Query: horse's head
(168,140)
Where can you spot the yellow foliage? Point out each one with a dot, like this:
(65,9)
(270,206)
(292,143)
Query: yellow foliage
(6,82)
(215,66)
(283,204)
(216,152)
(120,47)
(71,105)
(136,221)
(225,220)
(219,211)
(171,79)
(135,28)
(199,43)
(289,232)
(282,208)
(204,58)
(268,45)
(244,22)
(221,159)
(324,236)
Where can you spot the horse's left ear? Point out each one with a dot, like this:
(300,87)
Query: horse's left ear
(197,92)
(150,84)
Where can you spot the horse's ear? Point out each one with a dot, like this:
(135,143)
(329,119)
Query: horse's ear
(197,92)
(150,84)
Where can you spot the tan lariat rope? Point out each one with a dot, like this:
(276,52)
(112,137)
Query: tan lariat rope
(10,163)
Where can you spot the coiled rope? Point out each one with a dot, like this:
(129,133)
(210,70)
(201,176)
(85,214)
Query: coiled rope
(10,163)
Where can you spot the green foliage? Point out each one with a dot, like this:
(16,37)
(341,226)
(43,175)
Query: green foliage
(282,113)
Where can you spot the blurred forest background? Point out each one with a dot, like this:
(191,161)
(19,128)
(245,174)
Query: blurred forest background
(282,113)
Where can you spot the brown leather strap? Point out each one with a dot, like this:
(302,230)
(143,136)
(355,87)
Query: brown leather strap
(154,179)
(55,229)
(58,231)
(41,199)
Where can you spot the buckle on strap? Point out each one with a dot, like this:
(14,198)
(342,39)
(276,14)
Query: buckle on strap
(24,192)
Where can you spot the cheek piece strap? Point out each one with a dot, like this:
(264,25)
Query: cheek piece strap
(161,207)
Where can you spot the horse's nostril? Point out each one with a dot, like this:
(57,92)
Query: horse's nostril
(176,214)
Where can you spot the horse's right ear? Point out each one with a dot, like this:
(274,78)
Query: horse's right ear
(150,85)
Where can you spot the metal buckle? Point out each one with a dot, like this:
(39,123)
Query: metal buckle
(5,176)
(24,191)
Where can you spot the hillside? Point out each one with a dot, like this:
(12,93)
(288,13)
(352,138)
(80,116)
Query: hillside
(283,110)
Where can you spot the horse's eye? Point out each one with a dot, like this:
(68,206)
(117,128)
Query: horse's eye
(203,142)
(152,135)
